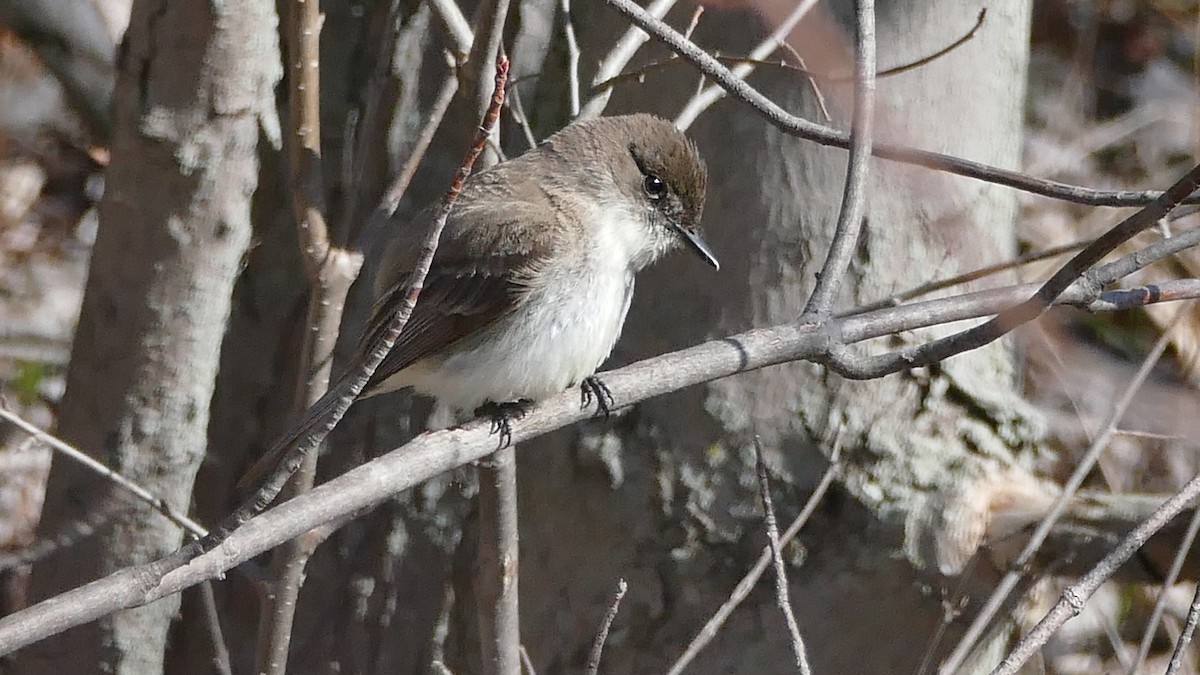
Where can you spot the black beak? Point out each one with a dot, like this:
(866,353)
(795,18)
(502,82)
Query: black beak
(697,244)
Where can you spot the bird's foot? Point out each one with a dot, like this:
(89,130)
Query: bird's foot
(592,389)
(502,415)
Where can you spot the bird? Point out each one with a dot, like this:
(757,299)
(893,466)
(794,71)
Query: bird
(534,272)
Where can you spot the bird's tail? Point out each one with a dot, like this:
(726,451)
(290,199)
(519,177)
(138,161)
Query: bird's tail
(297,441)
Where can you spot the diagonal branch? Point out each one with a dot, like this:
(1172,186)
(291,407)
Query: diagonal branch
(850,216)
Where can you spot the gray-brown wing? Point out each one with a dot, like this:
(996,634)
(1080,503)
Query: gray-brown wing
(476,278)
(455,303)
(491,251)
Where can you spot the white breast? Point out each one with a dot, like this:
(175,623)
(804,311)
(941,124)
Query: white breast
(560,335)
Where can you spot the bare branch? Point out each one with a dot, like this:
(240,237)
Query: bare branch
(1185,547)
(1082,469)
(498,565)
(457,26)
(331,271)
(593,663)
(572,57)
(781,585)
(937,350)
(1072,600)
(1185,638)
(743,588)
(850,216)
(155,502)
(212,620)
(618,57)
(395,191)
(709,95)
(802,128)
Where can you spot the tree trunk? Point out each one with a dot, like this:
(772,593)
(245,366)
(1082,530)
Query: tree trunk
(194,90)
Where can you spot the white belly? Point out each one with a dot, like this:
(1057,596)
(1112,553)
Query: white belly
(555,340)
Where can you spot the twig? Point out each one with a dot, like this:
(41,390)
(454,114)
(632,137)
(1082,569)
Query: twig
(212,619)
(157,503)
(395,191)
(618,57)
(331,271)
(514,97)
(866,367)
(799,68)
(802,128)
(743,588)
(526,662)
(1072,600)
(710,95)
(1016,568)
(974,275)
(485,50)
(850,217)
(593,663)
(457,26)
(498,565)
(572,57)
(1160,603)
(1185,638)
(781,584)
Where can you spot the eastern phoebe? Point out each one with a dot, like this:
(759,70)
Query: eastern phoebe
(534,271)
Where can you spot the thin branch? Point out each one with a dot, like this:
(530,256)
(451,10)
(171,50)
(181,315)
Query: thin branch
(212,620)
(514,97)
(743,588)
(1185,638)
(802,128)
(798,68)
(498,565)
(1073,598)
(867,367)
(526,662)
(457,26)
(618,57)
(781,584)
(331,271)
(572,57)
(395,191)
(1160,604)
(1084,467)
(704,99)
(974,275)
(155,502)
(485,50)
(850,217)
(593,663)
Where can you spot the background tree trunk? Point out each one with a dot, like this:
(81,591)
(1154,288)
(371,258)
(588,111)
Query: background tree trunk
(193,92)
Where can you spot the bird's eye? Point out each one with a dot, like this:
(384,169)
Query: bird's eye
(654,186)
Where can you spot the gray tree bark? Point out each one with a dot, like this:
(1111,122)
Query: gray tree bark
(194,91)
